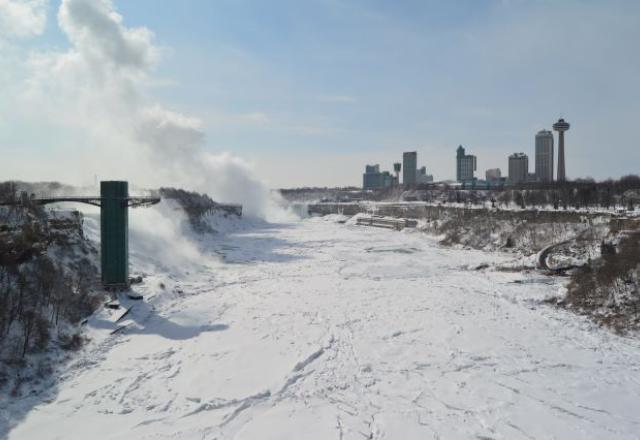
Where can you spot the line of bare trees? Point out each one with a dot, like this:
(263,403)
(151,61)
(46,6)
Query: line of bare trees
(33,299)
(609,289)
(608,194)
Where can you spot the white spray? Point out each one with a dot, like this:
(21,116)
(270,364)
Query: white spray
(94,95)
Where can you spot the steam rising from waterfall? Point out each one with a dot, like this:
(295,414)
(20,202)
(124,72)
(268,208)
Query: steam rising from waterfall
(95,97)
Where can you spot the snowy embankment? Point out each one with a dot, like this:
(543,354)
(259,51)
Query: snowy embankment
(526,232)
(323,330)
(47,268)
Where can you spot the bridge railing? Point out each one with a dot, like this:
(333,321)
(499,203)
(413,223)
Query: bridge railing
(95,200)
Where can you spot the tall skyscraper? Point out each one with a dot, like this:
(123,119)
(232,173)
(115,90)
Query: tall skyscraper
(544,156)
(561,126)
(465,165)
(518,168)
(409,167)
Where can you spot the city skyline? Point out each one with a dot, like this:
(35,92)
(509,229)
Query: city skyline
(309,93)
(518,170)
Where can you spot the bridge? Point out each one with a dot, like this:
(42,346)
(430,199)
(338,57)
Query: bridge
(113,201)
(131,202)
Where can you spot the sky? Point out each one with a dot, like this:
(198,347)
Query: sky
(307,93)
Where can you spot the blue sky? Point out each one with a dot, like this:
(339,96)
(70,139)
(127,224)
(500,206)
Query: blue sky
(310,91)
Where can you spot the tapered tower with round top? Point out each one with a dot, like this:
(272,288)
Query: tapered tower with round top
(396,169)
(561,126)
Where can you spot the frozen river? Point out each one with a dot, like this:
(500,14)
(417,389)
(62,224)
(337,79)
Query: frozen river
(318,330)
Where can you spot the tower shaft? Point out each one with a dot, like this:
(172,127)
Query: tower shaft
(561,170)
(114,235)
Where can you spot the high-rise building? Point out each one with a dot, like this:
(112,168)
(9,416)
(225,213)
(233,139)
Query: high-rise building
(493,175)
(465,165)
(374,179)
(544,156)
(518,168)
(561,126)
(410,166)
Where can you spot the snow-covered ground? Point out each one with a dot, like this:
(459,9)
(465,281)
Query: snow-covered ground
(319,330)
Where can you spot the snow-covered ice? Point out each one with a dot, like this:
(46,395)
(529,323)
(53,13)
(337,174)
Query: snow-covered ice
(319,330)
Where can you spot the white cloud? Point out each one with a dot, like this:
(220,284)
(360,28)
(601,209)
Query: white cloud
(22,18)
(96,31)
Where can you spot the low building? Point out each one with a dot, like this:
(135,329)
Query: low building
(388,179)
(493,175)
(422,176)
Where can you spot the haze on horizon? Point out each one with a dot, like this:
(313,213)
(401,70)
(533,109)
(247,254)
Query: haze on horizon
(310,92)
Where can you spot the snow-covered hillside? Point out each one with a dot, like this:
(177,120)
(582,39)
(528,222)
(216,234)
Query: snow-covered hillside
(319,330)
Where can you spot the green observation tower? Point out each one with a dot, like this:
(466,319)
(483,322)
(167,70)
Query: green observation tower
(114,233)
